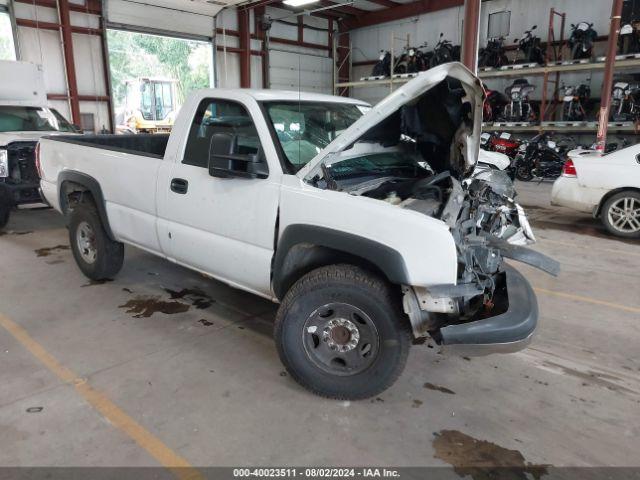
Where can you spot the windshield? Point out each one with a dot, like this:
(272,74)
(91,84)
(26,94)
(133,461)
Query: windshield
(394,163)
(32,119)
(305,128)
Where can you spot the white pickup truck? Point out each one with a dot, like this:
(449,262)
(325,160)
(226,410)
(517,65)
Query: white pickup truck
(362,222)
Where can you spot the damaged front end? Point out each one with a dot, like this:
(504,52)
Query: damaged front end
(418,149)
(491,308)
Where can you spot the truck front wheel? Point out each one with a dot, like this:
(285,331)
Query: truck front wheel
(96,254)
(341,333)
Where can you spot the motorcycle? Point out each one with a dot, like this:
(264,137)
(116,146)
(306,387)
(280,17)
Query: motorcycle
(444,52)
(411,61)
(518,109)
(625,102)
(629,39)
(541,157)
(530,46)
(494,103)
(493,55)
(581,41)
(383,67)
(573,102)
(503,143)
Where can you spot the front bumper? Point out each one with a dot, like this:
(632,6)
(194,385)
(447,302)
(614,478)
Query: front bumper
(20,194)
(508,332)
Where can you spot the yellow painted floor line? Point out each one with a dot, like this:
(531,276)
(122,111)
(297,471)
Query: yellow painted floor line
(158,450)
(594,301)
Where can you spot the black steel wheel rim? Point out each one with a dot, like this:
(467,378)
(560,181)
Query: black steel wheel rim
(340,339)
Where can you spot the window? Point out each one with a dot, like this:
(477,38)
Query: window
(305,128)
(499,24)
(7,49)
(32,119)
(219,116)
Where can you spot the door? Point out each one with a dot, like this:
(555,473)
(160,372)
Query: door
(224,227)
(298,72)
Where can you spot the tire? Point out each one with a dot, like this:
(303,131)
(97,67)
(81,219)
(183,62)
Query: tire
(370,306)
(621,214)
(523,173)
(5,213)
(96,254)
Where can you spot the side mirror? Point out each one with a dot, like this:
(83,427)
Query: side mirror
(77,128)
(226,162)
(441,34)
(534,27)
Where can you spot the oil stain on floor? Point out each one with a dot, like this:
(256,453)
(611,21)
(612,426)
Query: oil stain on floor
(13,232)
(438,388)
(144,306)
(46,251)
(483,460)
(197,297)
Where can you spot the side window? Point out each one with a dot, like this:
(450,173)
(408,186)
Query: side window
(219,116)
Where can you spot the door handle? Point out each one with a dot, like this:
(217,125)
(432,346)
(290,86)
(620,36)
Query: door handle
(179,185)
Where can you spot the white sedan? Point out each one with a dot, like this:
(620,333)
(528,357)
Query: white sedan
(607,186)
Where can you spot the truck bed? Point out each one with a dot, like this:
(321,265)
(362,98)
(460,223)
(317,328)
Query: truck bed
(148,145)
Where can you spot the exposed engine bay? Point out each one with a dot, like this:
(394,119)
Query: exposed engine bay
(417,159)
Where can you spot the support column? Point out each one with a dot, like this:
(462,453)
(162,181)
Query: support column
(67,48)
(607,83)
(262,34)
(343,60)
(245,46)
(470,34)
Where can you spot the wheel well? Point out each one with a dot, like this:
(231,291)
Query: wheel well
(75,188)
(611,194)
(72,193)
(302,258)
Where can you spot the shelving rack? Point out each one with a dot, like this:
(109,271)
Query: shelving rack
(555,67)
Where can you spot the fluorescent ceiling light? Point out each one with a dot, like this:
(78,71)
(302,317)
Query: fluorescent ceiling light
(298,3)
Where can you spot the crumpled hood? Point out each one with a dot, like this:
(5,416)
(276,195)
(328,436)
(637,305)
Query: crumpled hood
(409,93)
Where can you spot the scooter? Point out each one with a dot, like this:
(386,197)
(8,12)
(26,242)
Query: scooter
(529,45)
(519,109)
(573,102)
(625,102)
(581,41)
(493,55)
(542,157)
(629,39)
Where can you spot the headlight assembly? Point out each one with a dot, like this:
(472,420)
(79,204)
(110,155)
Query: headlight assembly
(4,163)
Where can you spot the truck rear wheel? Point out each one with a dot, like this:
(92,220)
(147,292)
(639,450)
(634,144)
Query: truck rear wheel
(341,333)
(96,254)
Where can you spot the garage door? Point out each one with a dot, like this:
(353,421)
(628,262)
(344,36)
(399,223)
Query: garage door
(293,71)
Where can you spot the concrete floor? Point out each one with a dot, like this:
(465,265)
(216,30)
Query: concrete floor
(207,383)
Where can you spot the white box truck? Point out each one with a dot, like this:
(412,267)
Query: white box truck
(24,118)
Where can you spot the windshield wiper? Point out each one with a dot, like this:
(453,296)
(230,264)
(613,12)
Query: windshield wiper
(328,178)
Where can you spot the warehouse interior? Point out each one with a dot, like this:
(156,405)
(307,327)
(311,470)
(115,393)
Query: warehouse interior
(169,367)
